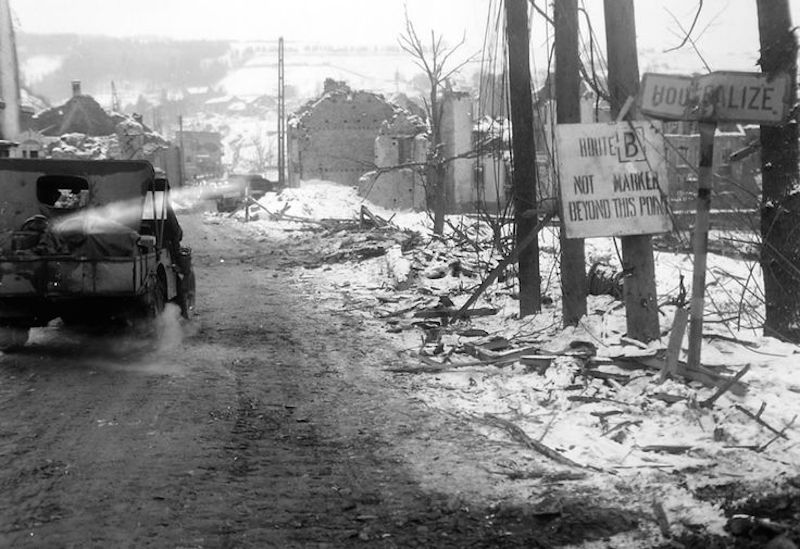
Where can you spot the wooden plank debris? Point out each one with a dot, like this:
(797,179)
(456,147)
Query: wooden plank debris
(473,332)
(661,519)
(489,356)
(622,425)
(709,402)
(779,435)
(670,368)
(757,419)
(668,398)
(700,373)
(520,436)
(666,448)
(634,342)
(599,374)
(497,361)
(447,312)
(529,239)
(368,218)
(591,399)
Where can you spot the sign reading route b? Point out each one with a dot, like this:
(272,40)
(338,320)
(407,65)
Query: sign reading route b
(613,179)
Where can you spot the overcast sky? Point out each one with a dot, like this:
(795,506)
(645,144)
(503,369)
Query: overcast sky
(726,25)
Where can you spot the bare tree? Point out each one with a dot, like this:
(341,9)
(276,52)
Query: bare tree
(264,153)
(437,64)
(235,146)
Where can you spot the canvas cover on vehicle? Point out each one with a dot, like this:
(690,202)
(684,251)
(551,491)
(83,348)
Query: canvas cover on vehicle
(95,237)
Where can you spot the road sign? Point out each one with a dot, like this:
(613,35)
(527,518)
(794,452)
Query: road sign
(723,96)
(613,179)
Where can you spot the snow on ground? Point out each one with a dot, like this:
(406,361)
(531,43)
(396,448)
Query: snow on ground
(320,200)
(638,433)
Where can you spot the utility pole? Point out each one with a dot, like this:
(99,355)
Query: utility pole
(281,118)
(182,158)
(524,155)
(115,104)
(780,206)
(637,250)
(568,111)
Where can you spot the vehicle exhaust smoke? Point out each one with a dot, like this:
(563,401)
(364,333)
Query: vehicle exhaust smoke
(169,328)
(121,214)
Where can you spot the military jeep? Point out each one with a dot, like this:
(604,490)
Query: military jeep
(89,242)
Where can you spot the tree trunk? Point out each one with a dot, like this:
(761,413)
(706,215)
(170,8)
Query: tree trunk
(437,189)
(524,155)
(568,111)
(437,201)
(780,204)
(641,303)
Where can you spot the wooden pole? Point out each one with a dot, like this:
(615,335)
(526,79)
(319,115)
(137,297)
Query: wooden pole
(247,202)
(637,251)
(182,159)
(524,154)
(281,118)
(674,346)
(568,110)
(700,241)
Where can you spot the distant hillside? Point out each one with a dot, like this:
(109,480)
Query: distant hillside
(50,62)
(248,69)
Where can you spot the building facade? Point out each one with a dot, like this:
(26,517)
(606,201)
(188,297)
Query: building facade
(333,137)
(202,153)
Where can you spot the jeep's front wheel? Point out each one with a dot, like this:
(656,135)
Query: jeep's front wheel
(155,297)
(12,338)
(186,293)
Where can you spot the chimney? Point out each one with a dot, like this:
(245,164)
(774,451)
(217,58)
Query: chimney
(76,88)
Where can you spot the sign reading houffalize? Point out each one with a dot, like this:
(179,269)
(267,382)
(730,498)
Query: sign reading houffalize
(718,96)
(613,179)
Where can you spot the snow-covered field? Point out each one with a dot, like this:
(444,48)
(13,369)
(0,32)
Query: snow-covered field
(644,440)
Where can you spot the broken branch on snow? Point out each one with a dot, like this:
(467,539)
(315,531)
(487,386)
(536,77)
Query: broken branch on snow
(709,402)
(505,262)
(757,419)
(519,435)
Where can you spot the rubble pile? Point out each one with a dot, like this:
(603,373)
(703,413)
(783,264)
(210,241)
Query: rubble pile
(82,147)
(131,141)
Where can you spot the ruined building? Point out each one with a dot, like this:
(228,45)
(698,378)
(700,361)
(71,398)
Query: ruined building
(202,153)
(333,137)
(474,179)
(80,114)
(400,147)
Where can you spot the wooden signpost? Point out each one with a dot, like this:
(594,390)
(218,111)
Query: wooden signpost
(724,96)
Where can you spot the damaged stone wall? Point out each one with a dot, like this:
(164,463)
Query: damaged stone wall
(400,152)
(456,128)
(492,182)
(333,138)
(474,182)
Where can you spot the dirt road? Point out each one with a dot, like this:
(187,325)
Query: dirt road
(265,422)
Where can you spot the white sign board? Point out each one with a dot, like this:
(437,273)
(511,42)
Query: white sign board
(613,179)
(723,96)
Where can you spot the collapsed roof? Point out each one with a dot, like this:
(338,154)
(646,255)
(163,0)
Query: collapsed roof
(81,114)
